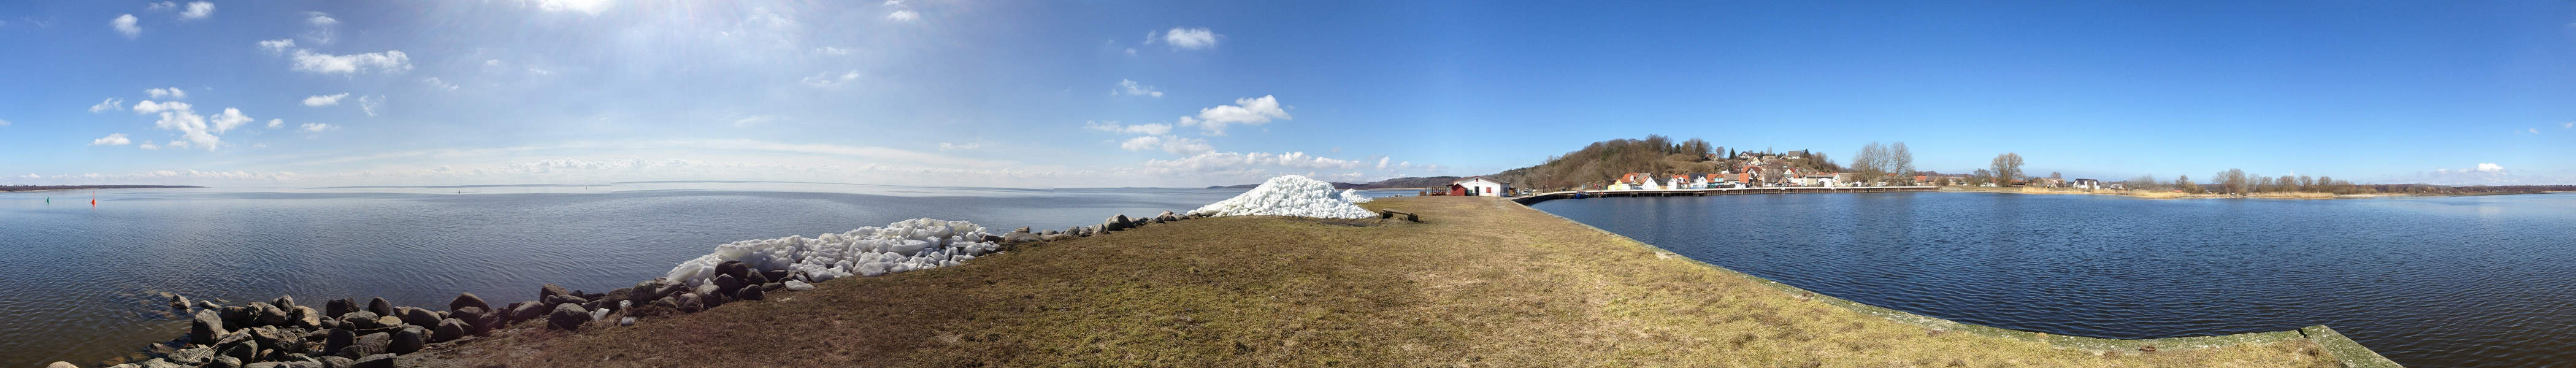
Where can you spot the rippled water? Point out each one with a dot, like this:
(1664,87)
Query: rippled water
(2484,281)
(76,281)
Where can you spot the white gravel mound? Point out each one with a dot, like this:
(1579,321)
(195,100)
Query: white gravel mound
(1289,195)
(1353,196)
(868,251)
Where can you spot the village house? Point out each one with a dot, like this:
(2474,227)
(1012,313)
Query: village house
(1477,186)
(2086,184)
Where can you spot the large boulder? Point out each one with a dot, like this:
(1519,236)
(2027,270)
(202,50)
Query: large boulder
(369,344)
(179,302)
(688,303)
(374,361)
(162,363)
(283,302)
(1167,216)
(477,321)
(527,311)
(340,338)
(192,356)
(205,327)
(360,319)
(756,279)
(380,306)
(749,294)
(467,300)
(303,316)
(1116,223)
(410,339)
(737,269)
(450,330)
(340,306)
(419,317)
(223,362)
(330,361)
(727,284)
(776,275)
(268,314)
(1021,237)
(239,346)
(567,317)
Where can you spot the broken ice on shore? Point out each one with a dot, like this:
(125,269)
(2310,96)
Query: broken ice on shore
(1288,195)
(1353,196)
(906,245)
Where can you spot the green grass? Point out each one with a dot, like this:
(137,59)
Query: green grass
(1482,282)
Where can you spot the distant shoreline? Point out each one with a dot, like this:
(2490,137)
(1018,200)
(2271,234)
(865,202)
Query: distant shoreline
(2151,194)
(47,188)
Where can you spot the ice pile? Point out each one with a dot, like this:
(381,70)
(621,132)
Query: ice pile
(868,251)
(1353,196)
(1290,195)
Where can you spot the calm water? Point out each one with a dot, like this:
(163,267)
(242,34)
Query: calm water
(78,281)
(2429,282)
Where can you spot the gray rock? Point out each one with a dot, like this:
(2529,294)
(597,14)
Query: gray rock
(361,319)
(550,290)
(727,284)
(368,344)
(208,304)
(774,286)
(410,339)
(390,322)
(223,362)
(756,279)
(192,356)
(793,285)
(689,303)
(568,317)
(61,365)
(380,307)
(1022,229)
(205,327)
(241,347)
(374,361)
(267,314)
(1054,237)
(668,302)
(418,317)
(1167,216)
(749,294)
(159,363)
(1116,223)
(467,300)
(737,269)
(337,362)
(303,316)
(450,330)
(339,338)
(477,321)
(179,302)
(775,275)
(527,311)
(340,306)
(626,321)
(283,302)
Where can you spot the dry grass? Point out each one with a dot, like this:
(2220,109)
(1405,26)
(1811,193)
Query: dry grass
(1483,283)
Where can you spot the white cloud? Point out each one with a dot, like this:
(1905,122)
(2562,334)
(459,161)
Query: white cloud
(905,15)
(1131,88)
(148,145)
(320,19)
(4,122)
(274,123)
(172,92)
(1187,38)
(1252,111)
(147,107)
(829,79)
(944,146)
(435,83)
(317,127)
(1166,143)
(2489,167)
(322,23)
(111,103)
(2567,125)
(277,45)
(1113,127)
(2535,130)
(369,103)
(1381,163)
(388,61)
(231,118)
(198,10)
(584,6)
(124,24)
(833,50)
(324,100)
(160,6)
(116,139)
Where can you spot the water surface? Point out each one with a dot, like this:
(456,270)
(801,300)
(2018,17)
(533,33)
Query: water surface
(2487,281)
(79,280)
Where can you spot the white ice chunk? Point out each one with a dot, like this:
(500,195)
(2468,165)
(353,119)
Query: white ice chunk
(1287,195)
(867,251)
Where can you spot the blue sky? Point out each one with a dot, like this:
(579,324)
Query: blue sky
(1059,94)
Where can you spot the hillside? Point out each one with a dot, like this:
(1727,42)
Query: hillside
(1600,162)
(1396,183)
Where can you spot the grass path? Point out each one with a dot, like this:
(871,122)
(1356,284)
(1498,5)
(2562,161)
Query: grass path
(1482,283)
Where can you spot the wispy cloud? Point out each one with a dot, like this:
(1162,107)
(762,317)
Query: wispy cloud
(386,62)
(324,100)
(1185,38)
(1114,127)
(1131,88)
(112,139)
(124,24)
(1249,111)
(198,10)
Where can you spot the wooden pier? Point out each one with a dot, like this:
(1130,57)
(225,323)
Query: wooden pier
(1543,197)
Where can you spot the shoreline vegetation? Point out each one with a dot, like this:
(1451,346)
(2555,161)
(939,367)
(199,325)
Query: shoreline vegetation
(1480,281)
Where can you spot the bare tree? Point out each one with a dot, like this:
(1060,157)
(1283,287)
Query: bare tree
(2143,182)
(1904,162)
(2232,181)
(2007,167)
(1870,163)
(2184,181)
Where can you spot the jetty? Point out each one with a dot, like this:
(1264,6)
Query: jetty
(1543,197)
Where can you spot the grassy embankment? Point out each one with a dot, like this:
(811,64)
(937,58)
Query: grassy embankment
(2158,194)
(1482,282)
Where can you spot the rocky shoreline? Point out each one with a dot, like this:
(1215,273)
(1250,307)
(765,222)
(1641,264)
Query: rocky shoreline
(345,333)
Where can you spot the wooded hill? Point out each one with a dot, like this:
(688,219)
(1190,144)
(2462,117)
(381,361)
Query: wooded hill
(1604,161)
